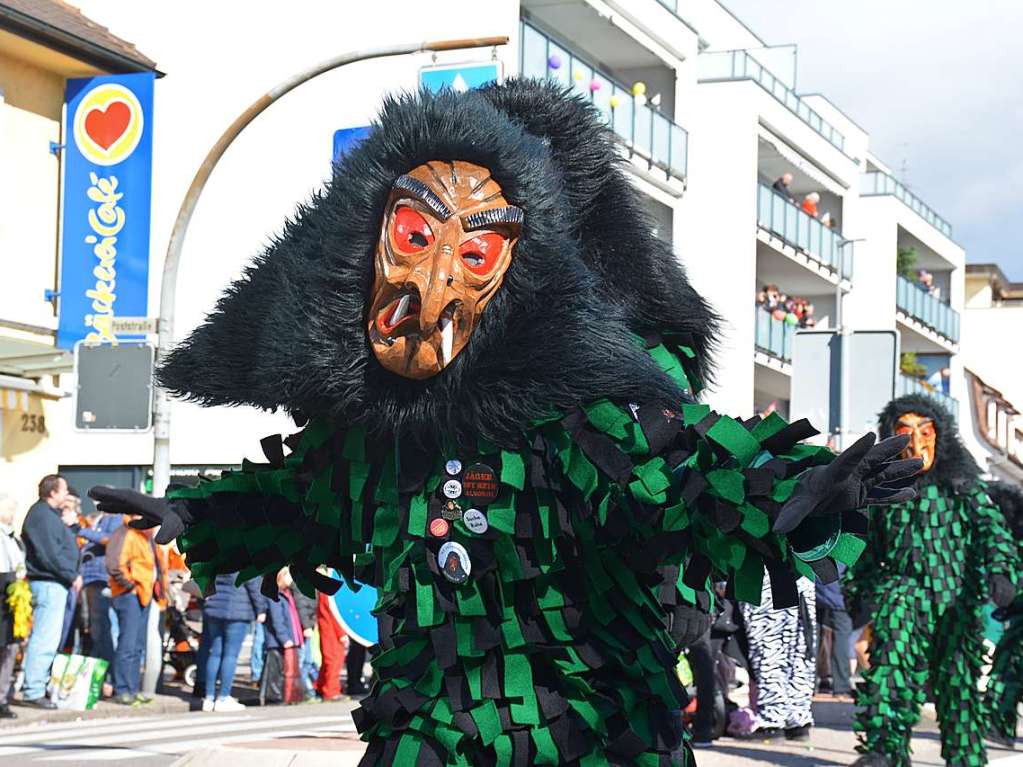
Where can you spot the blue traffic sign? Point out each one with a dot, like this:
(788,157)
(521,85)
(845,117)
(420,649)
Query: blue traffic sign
(354,611)
(460,77)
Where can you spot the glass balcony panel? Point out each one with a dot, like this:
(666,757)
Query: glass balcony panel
(654,135)
(662,140)
(908,385)
(534,53)
(801,230)
(926,309)
(876,182)
(643,121)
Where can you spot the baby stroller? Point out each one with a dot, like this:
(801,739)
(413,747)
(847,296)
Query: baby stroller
(184,628)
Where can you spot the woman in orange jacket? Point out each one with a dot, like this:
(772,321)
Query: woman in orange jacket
(134,573)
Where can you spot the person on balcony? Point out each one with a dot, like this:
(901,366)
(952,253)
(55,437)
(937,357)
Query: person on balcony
(783,186)
(810,203)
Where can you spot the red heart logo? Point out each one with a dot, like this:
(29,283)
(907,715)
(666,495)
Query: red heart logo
(107,125)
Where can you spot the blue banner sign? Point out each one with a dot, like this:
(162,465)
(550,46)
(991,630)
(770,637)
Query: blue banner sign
(460,77)
(108,161)
(353,611)
(345,140)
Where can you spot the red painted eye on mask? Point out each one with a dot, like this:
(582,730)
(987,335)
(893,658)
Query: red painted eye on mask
(410,231)
(481,252)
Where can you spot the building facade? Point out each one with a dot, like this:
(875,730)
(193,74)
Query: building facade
(708,116)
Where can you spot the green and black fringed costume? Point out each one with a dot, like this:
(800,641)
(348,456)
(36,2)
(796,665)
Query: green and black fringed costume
(926,571)
(525,512)
(1005,682)
(555,650)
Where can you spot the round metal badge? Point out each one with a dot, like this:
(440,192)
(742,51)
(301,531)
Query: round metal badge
(439,527)
(479,484)
(453,467)
(454,563)
(476,521)
(452,488)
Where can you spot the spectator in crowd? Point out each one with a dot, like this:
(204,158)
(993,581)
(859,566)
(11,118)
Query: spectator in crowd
(70,515)
(810,203)
(95,583)
(51,561)
(355,662)
(940,380)
(306,607)
(925,281)
(827,220)
(226,616)
(12,568)
(770,298)
(258,651)
(783,186)
(832,615)
(152,648)
(332,650)
(132,565)
(281,681)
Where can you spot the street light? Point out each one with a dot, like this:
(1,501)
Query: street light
(168,288)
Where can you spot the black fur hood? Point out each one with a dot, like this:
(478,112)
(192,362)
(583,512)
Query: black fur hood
(954,467)
(587,277)
(1008,497)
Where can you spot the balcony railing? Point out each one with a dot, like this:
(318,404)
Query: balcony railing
(876,182)
(773,337)
(740,65)
(925,308)
(802,231)
(909,385)
(643,129)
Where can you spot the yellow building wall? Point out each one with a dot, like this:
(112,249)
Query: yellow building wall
(30,118)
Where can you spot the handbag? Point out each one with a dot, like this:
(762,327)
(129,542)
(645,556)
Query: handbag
(281,681)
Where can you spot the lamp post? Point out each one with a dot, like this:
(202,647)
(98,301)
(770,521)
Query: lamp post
(168,288)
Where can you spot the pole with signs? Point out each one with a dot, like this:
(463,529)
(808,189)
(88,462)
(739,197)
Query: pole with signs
(168,288)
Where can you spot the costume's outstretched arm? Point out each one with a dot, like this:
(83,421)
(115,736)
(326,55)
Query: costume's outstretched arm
(995,547)
(302,511)
(736,497)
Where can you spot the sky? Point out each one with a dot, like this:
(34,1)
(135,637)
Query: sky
(938,85)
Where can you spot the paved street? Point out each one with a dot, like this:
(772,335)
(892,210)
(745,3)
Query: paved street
(152,740)
(323,734)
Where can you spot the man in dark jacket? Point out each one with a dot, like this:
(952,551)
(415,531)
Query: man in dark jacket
(51,560)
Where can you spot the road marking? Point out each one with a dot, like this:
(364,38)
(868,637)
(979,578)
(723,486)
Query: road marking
(161,733)
(58,730)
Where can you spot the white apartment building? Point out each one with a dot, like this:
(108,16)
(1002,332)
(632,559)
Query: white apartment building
(721,118)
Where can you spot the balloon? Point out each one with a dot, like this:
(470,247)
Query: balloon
(554,61)
(577,75)
(778,314)
(791,319)
(638,88)
(594,86)
(615,101)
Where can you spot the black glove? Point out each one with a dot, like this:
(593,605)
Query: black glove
(863,474)
(171,516)
(1002,590)
(688,624)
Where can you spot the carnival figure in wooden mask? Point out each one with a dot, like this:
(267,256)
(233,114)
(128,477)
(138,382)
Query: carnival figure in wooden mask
(930,566)
(495,366)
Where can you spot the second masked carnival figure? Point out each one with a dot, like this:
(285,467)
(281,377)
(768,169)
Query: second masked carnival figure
(1005,685)
(930,567)
(495,364)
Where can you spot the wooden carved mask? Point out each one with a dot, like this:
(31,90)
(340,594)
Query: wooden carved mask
(922,438)
(445,245)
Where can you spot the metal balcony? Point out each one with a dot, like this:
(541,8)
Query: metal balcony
(643,130)
(876,182)
(926,309)
(773,337)
(803,232)
(908,385)
(740,65)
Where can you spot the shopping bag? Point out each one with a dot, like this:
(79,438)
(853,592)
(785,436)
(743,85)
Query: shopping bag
(281,681)
(77,681)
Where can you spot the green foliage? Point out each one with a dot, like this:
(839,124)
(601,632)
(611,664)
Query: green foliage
(905,263)
(909,365)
